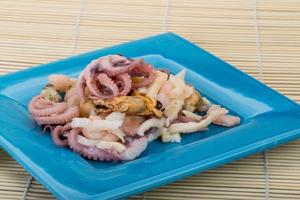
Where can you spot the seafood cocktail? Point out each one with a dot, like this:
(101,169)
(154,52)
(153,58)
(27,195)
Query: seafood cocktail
(118,105)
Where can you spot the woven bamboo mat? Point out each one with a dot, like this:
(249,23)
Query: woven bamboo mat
(261,37)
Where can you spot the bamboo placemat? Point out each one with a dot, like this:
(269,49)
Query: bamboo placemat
(261,37)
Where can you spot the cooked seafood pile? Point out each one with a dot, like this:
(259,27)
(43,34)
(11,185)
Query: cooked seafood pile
(118,105)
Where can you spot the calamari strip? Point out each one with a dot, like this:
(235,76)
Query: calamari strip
(90,152)
(104,145)
(184,119)
(153,133)
(215,111)
(115,116)
(116,146)
(150,123)
(119,133)
(167,137)
(212,114)
(192,115)
(93,134)
(134,149)
(173,95)
(96,124)
(154,88)
(173,108)
(142,90)
(189,127)
(227,120)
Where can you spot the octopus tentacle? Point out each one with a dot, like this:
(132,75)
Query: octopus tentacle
(55,136)
(123,81)
(80,85)
(67,127)
(90,83)
(109,89)
(41,110)
(109,76)
(62,118)
(48,127)
(134,148)
(72,140)
(115,64)
(59,132)
(42,103)
(87,151)
(84,75)
(98,154)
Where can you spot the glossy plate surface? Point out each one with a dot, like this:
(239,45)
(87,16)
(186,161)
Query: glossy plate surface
(268,119)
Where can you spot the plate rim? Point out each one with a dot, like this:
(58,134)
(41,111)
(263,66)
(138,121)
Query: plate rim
(260,145)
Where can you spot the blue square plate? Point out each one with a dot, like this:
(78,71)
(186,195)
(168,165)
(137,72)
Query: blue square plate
(268,119)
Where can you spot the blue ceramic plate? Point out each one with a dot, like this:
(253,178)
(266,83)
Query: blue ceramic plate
(268,119)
